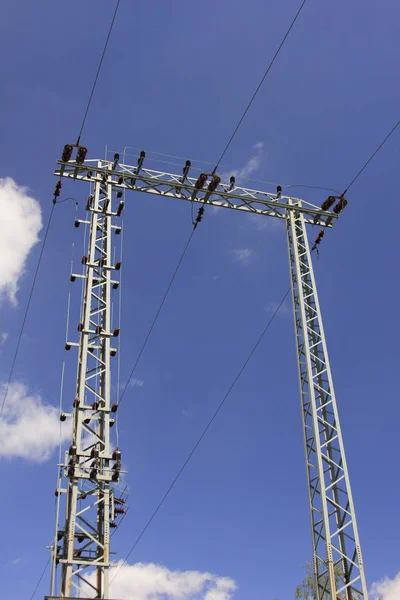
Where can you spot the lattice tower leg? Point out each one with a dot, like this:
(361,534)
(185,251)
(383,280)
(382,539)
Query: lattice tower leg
(90,476)
(337,559)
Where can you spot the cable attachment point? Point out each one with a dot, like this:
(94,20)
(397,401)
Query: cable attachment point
(318,241)
(57,191)
(340,205)
(199,217)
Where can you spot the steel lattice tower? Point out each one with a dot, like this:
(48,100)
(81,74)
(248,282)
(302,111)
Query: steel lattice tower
(337,558)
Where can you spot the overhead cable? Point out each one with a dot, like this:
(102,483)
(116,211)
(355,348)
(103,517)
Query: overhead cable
(40,579)
(157,314)
(196,445)
(371,157)
(26,310)
(98,71)
(260,84)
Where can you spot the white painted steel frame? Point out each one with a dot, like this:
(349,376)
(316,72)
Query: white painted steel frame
(337,558)
(334,532)
(170,185)
(89,499)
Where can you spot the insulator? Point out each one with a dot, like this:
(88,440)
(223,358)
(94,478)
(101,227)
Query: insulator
(106,204)
(72,450)
(340,205)
(214,183)
(72,278)
(200,214)
(119,500)
(120,180)
(56,494)
(113,351)
(57,189)
(118,230)
(76,402)
(98,329)
(278,191)
(142,155)
(115,476)
(67,346)
(118,265)
(63,416)
(187,166)
(119,511)
(113,525)
(95,405)
(89,174)
(116,332)
(114,408)
(120,208)
(60,534)
(116,455)
(111,422)
(116,159)
(81,155)
(115,285)
(94,453)
(93,474)
(89,203)
(80,327)
(67,153)
(84,260)
(104,178)
(73,461)
(76,223)
(120,194)
(200,181)
(328,203)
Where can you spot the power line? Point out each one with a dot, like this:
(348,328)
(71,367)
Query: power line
(202,435)
(40,578)
(98,71)
(371,157)
(157,314)
(26,311)
(260,84)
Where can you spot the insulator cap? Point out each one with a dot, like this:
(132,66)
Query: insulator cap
(63,417)
(114,409)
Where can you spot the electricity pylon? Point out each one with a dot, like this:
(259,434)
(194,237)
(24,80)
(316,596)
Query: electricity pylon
(337,559)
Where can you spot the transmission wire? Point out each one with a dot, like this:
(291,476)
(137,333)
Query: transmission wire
(40,579)
(157,314)
(98,71)
(196,445)
(26,311)
(260,84)
(371,157)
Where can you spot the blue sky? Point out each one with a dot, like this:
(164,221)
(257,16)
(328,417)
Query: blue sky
(175,80)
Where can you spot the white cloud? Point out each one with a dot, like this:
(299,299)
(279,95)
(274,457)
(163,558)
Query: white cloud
(249,167)
(20,224)
(272,306)
(136,383)
(3,338)
(156,582)
(387,589)
(29,428)
(242,255)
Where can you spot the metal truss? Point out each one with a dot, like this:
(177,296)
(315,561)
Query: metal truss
(338,565)
(182,187)
(91,467)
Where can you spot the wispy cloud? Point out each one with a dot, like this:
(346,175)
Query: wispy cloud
(156,582)
(386,588)
(3,338)
(20,224)
(250,167)
(242,255)
(272,306)
(29,428)
(136,383)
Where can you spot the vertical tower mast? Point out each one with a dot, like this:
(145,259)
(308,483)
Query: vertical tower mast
(89,495)
(337,559)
